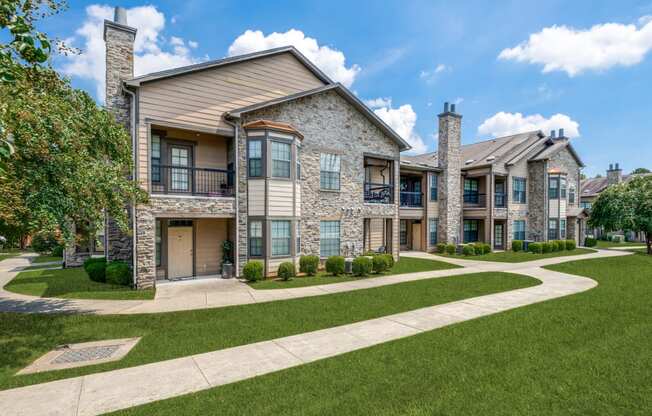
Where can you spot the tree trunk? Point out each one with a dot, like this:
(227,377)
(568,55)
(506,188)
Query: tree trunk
(648,241)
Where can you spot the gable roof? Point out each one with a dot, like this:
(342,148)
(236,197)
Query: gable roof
(594,186)
(137,81)
(558,144)
(342,92)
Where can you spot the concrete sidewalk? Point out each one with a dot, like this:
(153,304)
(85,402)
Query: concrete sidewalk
(216,293)
(118,389)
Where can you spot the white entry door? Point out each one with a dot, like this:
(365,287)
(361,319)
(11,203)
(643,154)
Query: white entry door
(416,236)
(179,252)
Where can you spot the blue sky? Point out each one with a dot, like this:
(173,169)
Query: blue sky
(419,54)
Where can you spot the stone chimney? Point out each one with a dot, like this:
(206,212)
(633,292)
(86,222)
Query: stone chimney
(119,40)
(614,174)
(450,162)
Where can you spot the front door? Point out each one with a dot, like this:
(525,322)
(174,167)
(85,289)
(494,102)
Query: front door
(416,236)
(498,236)
(179,252)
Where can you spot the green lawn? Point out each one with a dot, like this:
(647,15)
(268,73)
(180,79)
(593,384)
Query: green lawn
(46,259)
(24,337)
(7,253)
(70,284)
(585,354)
(520,256)
(611,244)
(404,265)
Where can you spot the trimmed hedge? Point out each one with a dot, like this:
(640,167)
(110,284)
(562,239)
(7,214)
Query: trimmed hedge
(362,266)
(486,248)
(92,260)
(309,265)
(554,245)
(286,270)
(570,244)
(253,271)
(380,264)
(517,245)
(546,247)
(441,248)
(468,250)
(96,270)
(478,248)
(535,248)
(118,273)
(450,249)
(335,265)
(390,260)
(590,242)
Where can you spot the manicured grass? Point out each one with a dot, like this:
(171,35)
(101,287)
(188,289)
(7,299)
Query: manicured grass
(585,354)
(520,256)
(46,259)
(70,284)
(404,265)
(25,337)
(611,244)
(7,253)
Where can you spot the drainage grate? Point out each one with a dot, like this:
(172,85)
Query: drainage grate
(86,354)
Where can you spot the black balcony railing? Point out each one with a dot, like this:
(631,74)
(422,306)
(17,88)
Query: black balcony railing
(192,181)
(475,199)
(378,193)
(500,200)
(411,199)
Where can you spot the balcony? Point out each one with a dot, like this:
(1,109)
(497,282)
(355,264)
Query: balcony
(182,180)
(475,200)
(378,193)
(411,199)
(500,200)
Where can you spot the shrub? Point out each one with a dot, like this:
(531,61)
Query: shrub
(450,249)
(370,253)
(554,245)
(535,248)
(57,251)
(590,242)
(380,264)
(517,245)
(309,265)
(253,271)
(286,270)
(479,248)
(546,247)
(335,265)
(44,242)
(390,260)
(92,260)
(96,270)
(118,273)
(441,248)
(570,244)
(486,248)
(362,266)
(468,250)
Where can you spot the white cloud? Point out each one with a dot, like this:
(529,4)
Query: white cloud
(440,68)
(562,48)
(505,124)
(430,76)
(193,44)
(402,120)
(331,61)
(379,102)
(149,55)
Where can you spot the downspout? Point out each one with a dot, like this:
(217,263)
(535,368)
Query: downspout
(134,175)
(236,131)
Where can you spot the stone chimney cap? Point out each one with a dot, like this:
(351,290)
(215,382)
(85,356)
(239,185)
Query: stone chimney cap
(120,16)
(553,133)
(561,132)
(449,110)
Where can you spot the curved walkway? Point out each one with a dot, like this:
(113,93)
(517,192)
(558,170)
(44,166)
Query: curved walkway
(119,389)
(216,293)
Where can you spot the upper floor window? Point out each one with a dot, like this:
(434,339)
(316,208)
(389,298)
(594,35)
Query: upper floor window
(563,187)
(298,163)
(571,195)
(433,186)
(281,238)
(255,162)
(553,188)
(586,205)
(255,238)
(519,193)
(156,158)
(471,187)
(519,229)
(329,238)
(329,176)
(281,158)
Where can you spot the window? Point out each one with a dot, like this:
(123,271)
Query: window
(329,238)
(433,231)
(563,187)
(433,186)
(298,163)
(281,238)
(255,238)
(586,205)
(157,243)
(403,232)
(571,195)
(281,157)
(552,229)
(471,191)
(180,174)
(519,187)
(255,155)
(329,176)
(156,158)
(470,231)
(553,188)
(519,229)
(298,237)
(562,229)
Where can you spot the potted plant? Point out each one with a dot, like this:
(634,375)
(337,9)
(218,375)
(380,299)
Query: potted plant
(227,259)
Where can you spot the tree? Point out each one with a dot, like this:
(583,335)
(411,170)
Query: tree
(627,206)
(640,170)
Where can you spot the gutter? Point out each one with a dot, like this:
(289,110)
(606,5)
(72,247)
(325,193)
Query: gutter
(134,151)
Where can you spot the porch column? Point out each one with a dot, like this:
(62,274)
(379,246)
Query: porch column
(145,270)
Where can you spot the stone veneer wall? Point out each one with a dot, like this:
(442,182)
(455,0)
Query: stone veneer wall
(330,125)
(450,185)
(536,197)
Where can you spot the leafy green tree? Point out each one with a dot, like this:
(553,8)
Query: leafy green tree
(627,206)
(640,170)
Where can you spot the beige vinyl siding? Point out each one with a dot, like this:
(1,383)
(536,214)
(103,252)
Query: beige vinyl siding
(297,190)
(280,198)
(209,235)
(256,196)
(200,99)
(411,213)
